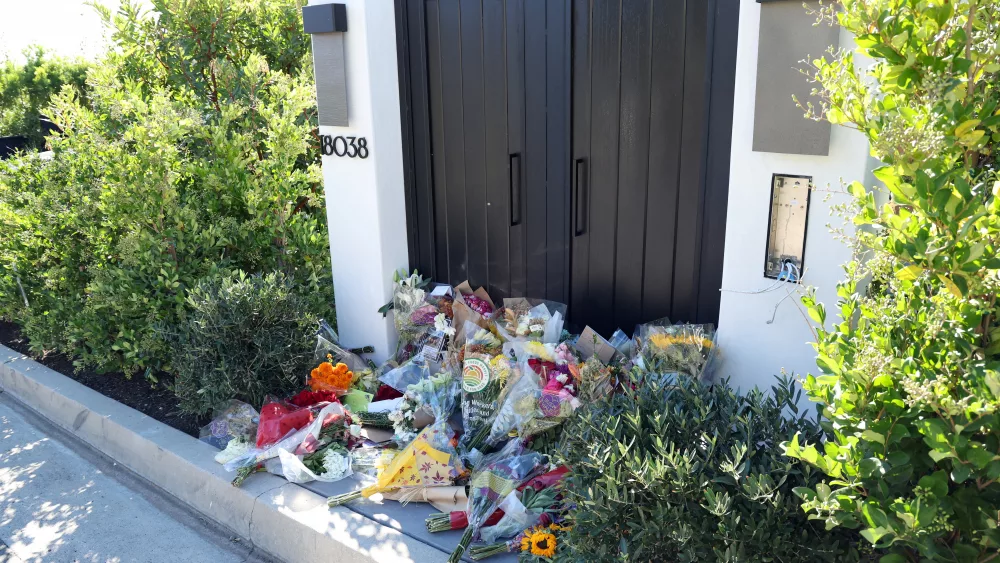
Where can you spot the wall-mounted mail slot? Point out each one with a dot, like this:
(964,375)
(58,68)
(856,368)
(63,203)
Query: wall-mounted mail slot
(789,219)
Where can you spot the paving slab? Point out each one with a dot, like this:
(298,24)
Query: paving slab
(59,505)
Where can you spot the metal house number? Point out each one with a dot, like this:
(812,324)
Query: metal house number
(351,147)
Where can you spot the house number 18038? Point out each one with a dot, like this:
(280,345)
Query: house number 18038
(351,147)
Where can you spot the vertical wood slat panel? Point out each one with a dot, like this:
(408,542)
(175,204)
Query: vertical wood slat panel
(580,254)
(422,180)
(440,179)
(689,201)
(633,157)
(720,126)
(536,149)
(516,136)
(497,153)
(454,137)
(414,227)
(557,135)
(666,117)
(474,128)
(606,51)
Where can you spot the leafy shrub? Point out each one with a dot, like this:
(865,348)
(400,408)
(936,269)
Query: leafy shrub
(910,375)
(194,157)
(682,471)
(26,90)
(246,337)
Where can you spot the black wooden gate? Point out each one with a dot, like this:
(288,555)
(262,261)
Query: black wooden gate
(576,150)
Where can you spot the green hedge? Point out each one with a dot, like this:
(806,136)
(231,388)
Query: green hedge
(26,89)
(676,470)
(194,157)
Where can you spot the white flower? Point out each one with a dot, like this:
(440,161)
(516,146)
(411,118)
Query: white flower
(562,378)
(575,403)
(337,464)
(441,324)
(537,328)
(234,449)
(356,430)
(569,388)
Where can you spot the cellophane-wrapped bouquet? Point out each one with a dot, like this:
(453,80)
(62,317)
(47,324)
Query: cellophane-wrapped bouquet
(284,456)
(430,460)
(485,371)
(417,399)
(412,314)
(685,349)
(537,503)
(543,394)
(531,319)
(337,369)
(495,478)
(521,509)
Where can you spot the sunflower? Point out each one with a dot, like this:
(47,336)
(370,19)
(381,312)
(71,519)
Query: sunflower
(543,544)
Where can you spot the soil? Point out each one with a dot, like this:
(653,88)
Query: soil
(152,399)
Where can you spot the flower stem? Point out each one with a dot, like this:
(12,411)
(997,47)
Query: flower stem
(344,498)
(438,522)
(242,474)
(463,544)
(481,552)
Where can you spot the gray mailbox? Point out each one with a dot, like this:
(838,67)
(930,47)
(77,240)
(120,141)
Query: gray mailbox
(327,24)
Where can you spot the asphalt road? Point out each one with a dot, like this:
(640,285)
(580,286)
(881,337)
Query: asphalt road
(61,501)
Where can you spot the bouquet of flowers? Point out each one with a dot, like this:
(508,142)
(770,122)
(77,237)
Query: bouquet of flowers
(416,405)
(430,460)
(330,463)
(685,349)
(337,369)
(543,395)
(470,306)
(529,497)
(539,543)
(412,314)
(329,425)
(499,475)
(596,380)
(236,421)
(485,370)
(531,319)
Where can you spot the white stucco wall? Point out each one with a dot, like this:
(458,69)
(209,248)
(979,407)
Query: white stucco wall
(365,201)
(753,350)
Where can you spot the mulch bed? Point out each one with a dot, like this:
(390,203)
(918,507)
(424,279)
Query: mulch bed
(153,400)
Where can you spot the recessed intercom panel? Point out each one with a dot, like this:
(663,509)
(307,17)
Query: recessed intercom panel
(786,235)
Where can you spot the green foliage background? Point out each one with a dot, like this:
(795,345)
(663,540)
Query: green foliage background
(676,470)
(909,375)
(27,88)
(193,157)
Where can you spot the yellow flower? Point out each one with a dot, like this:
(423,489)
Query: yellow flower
(526,543)
(543,544)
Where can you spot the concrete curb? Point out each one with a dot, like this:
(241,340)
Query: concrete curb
(282,519)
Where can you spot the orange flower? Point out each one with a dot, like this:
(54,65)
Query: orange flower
(328,377)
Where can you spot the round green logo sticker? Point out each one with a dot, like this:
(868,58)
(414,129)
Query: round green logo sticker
(475,375)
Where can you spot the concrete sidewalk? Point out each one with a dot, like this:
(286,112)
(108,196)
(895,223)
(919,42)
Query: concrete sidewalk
(61,501)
